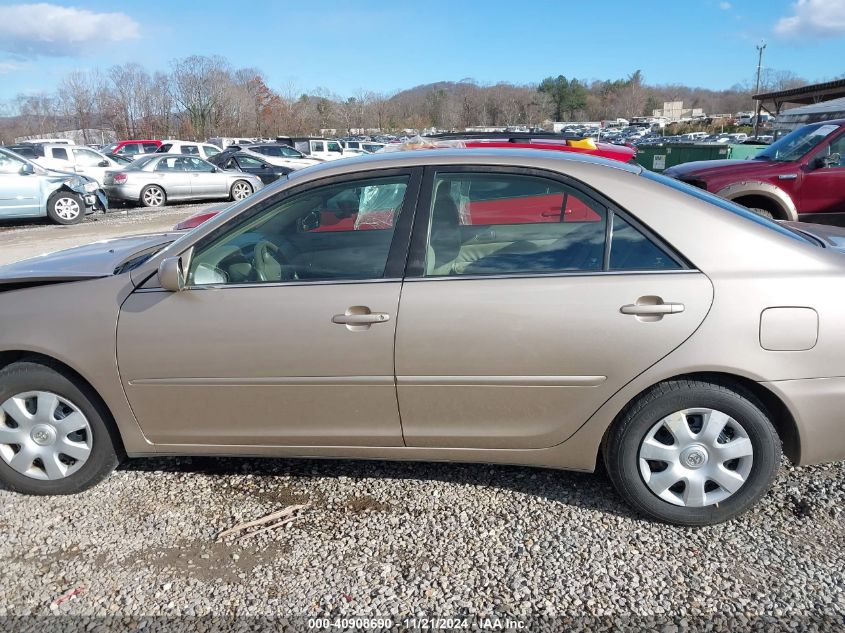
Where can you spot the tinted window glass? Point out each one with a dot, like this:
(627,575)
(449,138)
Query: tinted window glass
(334,147)
(10,164)
(631,250)
(189,149)
(508,223)
(130,148)
(164,148)
(341,231)
(60,153)
(150,148)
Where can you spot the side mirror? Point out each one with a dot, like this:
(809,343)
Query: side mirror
(833,160)
(171,274)
(104,163)
(214,170)
(309,222)
(27,169)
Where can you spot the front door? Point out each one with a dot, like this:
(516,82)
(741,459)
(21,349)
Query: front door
(823,187)
(20,193)
(206,180)
(284,335)
(536,302)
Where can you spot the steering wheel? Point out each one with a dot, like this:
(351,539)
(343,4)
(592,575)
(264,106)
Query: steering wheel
(264,253)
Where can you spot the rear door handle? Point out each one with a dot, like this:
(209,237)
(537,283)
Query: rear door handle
(652,309)
(361,319)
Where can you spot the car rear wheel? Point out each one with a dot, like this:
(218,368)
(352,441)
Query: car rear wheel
(693,453)
(240,190)
(153,196)
(65,208)
(53,437)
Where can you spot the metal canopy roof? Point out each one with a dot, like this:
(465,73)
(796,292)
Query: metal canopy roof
(806,95)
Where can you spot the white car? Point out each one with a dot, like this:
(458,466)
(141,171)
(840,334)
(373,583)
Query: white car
(324,149)
(281,155)
(76,158)
(203,150)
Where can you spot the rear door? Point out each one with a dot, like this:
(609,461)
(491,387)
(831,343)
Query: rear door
(20,194)
(520,318)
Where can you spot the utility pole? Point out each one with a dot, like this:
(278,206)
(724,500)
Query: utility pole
(760,48)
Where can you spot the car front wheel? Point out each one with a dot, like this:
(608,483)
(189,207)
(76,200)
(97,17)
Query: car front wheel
(65,208)
(692,452)
(53,437)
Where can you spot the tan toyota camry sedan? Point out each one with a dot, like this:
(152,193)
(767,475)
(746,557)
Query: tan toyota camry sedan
(520,307)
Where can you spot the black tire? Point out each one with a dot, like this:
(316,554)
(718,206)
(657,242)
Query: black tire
(239,183)
(763,212)
(26,376)
(621,449)
(153,196)
(59,205)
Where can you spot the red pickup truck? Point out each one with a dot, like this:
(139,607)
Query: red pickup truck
(799,177)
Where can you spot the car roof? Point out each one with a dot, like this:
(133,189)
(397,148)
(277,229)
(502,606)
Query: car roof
(543,159)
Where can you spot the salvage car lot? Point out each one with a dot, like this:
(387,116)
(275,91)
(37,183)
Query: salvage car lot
(382,539)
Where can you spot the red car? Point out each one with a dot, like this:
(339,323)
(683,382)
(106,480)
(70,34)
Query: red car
(544,141)
(132,148)
(800,176)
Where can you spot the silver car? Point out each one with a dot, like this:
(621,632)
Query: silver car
(154,180)
(28,190)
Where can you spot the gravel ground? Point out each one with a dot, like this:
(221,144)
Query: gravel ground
(403,539)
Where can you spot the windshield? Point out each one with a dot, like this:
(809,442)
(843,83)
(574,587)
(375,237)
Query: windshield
(109,149)
(795,144)
(727,205)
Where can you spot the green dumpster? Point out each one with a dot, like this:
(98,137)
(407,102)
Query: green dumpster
(660,157)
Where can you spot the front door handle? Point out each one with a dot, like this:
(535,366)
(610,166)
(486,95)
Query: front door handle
(652,309)
(361,319)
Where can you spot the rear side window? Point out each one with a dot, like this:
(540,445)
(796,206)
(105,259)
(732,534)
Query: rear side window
(164,148)
(318,147)
(150,148)
(190,149)
(130,148)
(210,150)
(60,153)
(499,224)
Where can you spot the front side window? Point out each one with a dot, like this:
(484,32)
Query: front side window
(164,149)
(210,150)
(334,232)
(150,148)
(335,147)
(836,148)
(318,146)
(10,164)
(197,164)
(249,162)
(130,148)
(190,149)
(59,153)
(289,152)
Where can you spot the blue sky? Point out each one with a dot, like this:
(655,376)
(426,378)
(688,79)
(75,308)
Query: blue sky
(346,46)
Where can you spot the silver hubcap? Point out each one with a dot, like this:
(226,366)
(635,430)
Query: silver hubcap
(696,457)
(67,208)
(242,190)
(154,197)
(43,436)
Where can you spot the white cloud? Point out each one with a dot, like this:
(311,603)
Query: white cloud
(43,29)
(9,67)
(814,18)
(725,6)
